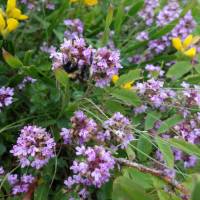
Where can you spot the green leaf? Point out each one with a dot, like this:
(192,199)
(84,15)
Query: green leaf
(184,146)
(62,77)
(41,193)
(136,8)
(166,151)
(142,179)
(151,118)
(179,69)
(113,106)
(169,123)
(127,96)
(11,60)
(109,19)
(119,18)
(27,57)
(144,147)
(132,75)
(196,192)
(126,189)
(193,79)
(130,152)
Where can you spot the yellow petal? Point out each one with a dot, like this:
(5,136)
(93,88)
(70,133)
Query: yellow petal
(191,52)
(12,24)
(195,39)
(115,78)
(90,2)
(23,17)
(14,13)
(187,42)
(127,85)
(11,4)
(2,12)
(177,44)
(2,22)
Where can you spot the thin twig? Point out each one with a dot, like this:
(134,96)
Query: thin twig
(158,173)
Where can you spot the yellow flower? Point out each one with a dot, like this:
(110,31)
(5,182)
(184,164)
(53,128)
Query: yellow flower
(90,2)
(184,46)
(9,19)
(115,78)
(87,2)
(127,85)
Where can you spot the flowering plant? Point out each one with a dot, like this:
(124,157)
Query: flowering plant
(99,100)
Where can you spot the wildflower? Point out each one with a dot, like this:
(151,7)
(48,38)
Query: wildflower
(34,147)
(142,36)
(73,53)
(36,5)
(6,96)
(118,129)
(154,71)
(93,169)
(25,81)
(87,2)
(184,46)
(147,13)
(9,20)
(83,129)
(74,28)
(127,85)
(20,185)
(105,65)
(1,170)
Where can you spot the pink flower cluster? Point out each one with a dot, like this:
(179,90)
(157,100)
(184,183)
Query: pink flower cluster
(6,96)
(92,170)
(34,147)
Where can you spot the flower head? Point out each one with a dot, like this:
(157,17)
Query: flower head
(34,147)
(93,169)
(9,20)
(87,2)
(105,65)
(184,46)
(20,184)
(83,129)
(6,96)
(127,85)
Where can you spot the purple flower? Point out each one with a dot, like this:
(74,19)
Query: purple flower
(142,36)
(83,129)
(20,185)
(147,14)
(47,49)
(155,92)
(1,170)
(75,52)
(169,13)
(119,127)
(74,28)
(106,63)
(93,169)
(154,71)
(25,81)
(141,109)
(6,96)
(34,147)
(185,27)
(36,5)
